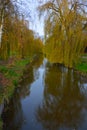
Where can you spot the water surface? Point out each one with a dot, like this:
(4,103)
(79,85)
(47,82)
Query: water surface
(51,97)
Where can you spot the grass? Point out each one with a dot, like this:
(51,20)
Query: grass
(13,73)
(82,66)
(85,54)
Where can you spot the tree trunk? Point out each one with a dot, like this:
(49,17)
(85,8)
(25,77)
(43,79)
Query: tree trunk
(1,28)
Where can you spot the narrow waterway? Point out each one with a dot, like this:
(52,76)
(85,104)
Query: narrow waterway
(51,97)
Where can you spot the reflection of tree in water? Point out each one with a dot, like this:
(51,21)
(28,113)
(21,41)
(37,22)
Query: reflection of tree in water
(63,100)
(38,61)
(28,78)
(12,114)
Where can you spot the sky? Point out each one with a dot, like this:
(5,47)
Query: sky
(36,23)
(29,9)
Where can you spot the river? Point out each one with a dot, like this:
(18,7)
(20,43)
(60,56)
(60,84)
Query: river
(50,97)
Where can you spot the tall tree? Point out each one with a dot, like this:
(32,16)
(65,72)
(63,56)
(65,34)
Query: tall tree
(64,28)
(6,9)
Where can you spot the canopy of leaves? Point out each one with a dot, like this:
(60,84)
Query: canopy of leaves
(65,25)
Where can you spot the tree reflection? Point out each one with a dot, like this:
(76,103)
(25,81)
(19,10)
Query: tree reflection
(63,100)
(12,114)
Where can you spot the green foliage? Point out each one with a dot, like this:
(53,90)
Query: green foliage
(82,67)
(3,69)
(64,31)
(15,82)
(12,73)
(18,40)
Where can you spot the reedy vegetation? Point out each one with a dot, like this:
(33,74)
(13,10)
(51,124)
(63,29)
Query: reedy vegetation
(65,30)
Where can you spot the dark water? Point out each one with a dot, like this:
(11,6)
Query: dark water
(51,97)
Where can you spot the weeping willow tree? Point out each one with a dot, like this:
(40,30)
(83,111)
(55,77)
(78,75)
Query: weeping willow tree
(16,39)
(65,24)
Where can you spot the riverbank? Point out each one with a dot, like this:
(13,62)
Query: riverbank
(10,75)
(14,74)
(82,66)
